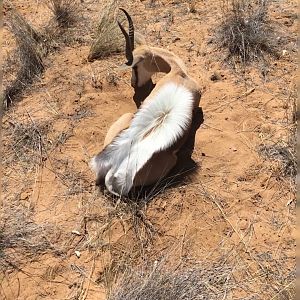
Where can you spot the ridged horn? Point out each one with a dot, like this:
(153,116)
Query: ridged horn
(131,28)
(129,38)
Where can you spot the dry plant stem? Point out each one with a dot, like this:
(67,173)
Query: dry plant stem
(65,11)
(161,283)
(241,238)
(245,32)
(247,93)
(108,39)
(23,239)
(31,64)
(89,279)
(30,144)
(280,291)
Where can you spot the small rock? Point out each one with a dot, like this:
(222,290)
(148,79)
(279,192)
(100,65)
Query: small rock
(288,23)
(284,52)
(176,38)
(243,224)
(76,232)
(77,253)
(24,195)
(216,76)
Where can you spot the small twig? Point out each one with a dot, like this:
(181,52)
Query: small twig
(283,289)
(247,93)
(89,279)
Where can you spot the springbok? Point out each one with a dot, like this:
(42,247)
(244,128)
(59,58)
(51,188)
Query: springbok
(142,148)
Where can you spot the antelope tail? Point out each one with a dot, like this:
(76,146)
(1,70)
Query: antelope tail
(156,126)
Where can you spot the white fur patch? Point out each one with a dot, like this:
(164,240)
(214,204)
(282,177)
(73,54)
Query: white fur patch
(156,126)
(93,164)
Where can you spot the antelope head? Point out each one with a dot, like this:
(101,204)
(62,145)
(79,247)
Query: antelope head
(144,60)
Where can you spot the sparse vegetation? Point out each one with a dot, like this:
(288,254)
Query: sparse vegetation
(225,232)
(231,274)
(129,213)
(29,145)
(284,154)
(65,11)
(108,38)
(28,53)
(75,181)
(21,239)
(245,31)
(26,63)
(202,281)
(32,143)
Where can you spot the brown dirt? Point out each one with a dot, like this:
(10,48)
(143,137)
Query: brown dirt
(237,199)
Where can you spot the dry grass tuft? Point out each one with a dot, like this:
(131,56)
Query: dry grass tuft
(27,143)
(28,53)
(246,32)
(30,142)
(21,239)
(208,281)
(108,39)
(65,11)
(233,274)
(22,23)
(130,214)
(283,153)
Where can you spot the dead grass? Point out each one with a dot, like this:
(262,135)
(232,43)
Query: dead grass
(28,54)
(27,142)
(21,239)
(108,38)
(65,11)
(233,275)
(283,153)
(246,33)
(258,274)
(30,142)
(76,181)
(25,64)
(230,271)
(202,281)
(103,212)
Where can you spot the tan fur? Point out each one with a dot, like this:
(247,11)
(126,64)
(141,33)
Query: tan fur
(122,123)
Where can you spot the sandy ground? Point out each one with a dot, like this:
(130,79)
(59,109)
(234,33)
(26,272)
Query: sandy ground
(236,200)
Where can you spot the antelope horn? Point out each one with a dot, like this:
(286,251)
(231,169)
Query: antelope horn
(131,28)
(128,38)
